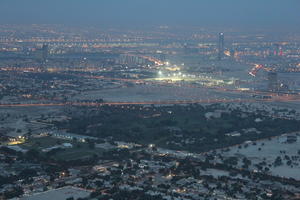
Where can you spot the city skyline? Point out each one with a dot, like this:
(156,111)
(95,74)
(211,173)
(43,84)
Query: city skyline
(149,100)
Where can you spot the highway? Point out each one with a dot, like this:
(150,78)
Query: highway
(95,104)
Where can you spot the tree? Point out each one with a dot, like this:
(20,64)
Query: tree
(16,192)
(91,144)
(32,154)
(28,173)
(278,161)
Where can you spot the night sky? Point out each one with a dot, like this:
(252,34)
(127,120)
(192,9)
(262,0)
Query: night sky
(231,13)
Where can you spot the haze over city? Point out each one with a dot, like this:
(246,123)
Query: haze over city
(149,100)
(140,13)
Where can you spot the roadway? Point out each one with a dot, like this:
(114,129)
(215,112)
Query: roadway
(181,102)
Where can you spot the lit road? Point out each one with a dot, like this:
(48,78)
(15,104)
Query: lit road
(151,102)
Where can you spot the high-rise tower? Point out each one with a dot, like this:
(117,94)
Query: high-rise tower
(272,81)
(44,52)
(221,46)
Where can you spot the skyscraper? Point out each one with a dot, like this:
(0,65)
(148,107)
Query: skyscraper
(221,46)
(44,52)
(272,81)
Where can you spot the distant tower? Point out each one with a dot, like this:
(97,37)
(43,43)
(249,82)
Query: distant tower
(276,49)
(221,46)
(44,52)
(272,81)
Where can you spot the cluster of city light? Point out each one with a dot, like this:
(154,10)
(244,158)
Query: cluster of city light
(203,80)
(175,75)
(169,72)
(17,140)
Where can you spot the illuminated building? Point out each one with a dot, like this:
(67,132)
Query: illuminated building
(277,50)
(221,46)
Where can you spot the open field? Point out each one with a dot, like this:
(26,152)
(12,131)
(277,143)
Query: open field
(264,153)
(78,150)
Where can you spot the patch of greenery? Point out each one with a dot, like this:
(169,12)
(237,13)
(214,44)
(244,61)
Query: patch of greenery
(176,127)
